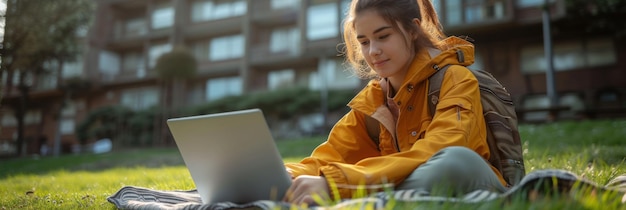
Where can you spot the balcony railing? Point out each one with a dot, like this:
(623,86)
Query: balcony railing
(264,54)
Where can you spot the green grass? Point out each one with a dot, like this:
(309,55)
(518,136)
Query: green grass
(593,149)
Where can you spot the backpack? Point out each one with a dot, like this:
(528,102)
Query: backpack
(501,122)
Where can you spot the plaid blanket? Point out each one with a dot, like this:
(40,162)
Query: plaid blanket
(535,184)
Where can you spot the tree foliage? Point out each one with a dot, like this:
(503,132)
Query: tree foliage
(37,35)
(37,32)
(122,125)
(599,15)
(176,64)
(282,104)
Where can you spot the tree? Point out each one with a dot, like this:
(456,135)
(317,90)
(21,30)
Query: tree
(598,15)
(171,68)
(38,34)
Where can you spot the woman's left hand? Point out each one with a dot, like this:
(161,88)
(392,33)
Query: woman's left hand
(304,187)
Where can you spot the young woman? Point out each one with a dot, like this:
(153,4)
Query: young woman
(401,43)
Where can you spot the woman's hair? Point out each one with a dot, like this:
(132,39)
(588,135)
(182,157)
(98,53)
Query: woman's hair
(400,14)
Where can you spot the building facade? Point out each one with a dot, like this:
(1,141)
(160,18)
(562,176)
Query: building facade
(256,45)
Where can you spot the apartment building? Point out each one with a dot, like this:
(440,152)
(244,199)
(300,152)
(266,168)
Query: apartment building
(255,45)
(590,72)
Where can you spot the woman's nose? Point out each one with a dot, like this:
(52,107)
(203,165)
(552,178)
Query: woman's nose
(374,49)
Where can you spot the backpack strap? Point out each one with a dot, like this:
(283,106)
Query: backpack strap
(434,88)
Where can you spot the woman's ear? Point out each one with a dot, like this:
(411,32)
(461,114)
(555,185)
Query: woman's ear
(418,25)
(417,21)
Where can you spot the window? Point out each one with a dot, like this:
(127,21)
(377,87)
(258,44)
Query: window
(531,3)
(67,126)
(227,47)
(8,119)
(32,117)
(453,12)
(437,6)
(473,11)
(478,61)
(140,99)
(533,60)
(47,82)
(201,49)
(331,74)
(221,87)
(132,62)
(322,21)
(600,52)
(280,79)
(163,17)
(345,8)
(195,95)
(73,68)
(67,119)
(205,10)
(281,4)
(156,51)
(135,27)
(285,39)
(109,64)
(569,56)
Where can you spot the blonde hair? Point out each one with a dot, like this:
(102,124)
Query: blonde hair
(400,14)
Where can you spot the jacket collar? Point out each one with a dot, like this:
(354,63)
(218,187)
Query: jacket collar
(455,51)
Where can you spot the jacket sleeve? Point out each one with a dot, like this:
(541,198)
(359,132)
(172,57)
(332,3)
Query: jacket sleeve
(348,142)
(349,162)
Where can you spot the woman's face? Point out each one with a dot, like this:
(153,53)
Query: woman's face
(385,49)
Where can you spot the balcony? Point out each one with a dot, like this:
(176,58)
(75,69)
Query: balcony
(209,68)
(263,55)
(533,13)
(125,4)
(471,16)
(264,15)
(124,77)
(322,47)
(213,28)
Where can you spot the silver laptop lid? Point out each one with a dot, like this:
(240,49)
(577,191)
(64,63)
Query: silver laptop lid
(231,156)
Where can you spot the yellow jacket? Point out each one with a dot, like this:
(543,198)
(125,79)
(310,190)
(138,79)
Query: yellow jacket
(349,157)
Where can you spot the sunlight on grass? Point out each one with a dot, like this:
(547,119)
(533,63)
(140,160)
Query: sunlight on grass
(83,189)
(595,150)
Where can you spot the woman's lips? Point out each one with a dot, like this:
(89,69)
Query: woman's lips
(380,63)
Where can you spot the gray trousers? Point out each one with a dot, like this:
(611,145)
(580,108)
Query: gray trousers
(453,171)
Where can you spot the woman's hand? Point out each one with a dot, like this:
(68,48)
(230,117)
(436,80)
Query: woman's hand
(304,187)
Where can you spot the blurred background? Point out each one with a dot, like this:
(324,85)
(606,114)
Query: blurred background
(94,75)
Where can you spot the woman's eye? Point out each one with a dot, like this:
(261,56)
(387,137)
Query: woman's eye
(365,42)
(384,36)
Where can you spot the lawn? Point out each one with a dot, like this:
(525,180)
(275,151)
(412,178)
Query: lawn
(593,149)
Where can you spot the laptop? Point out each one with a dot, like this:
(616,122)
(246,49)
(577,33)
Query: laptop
(231,156)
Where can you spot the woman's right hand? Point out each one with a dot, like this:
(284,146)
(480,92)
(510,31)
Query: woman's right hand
(304,187)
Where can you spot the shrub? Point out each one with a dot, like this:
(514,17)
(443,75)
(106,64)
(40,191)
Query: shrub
(136,128)
(118,123)
(282,104)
